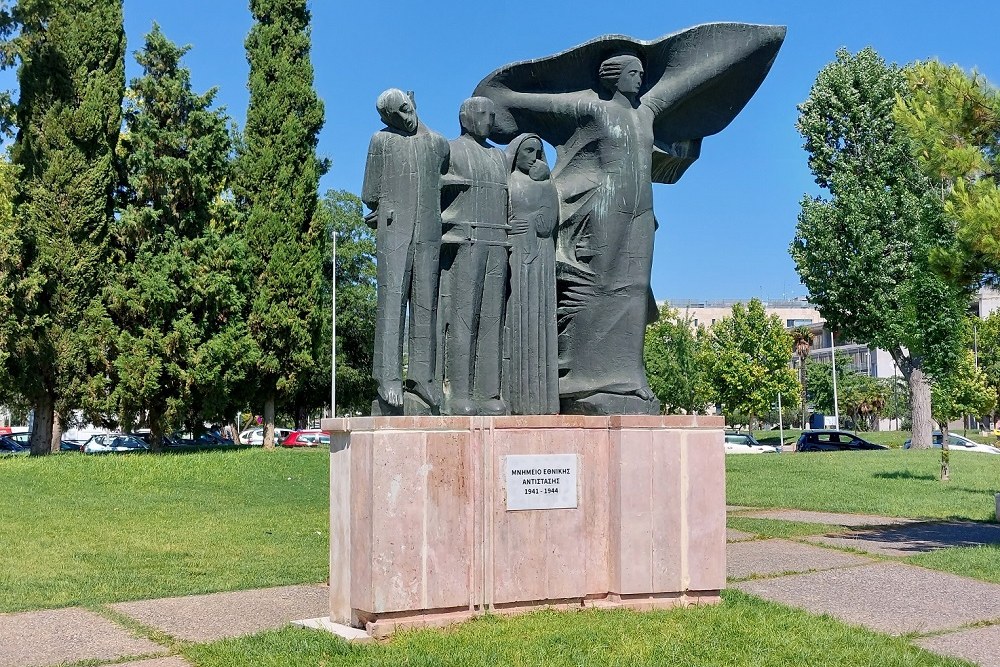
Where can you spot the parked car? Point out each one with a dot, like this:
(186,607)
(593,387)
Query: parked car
(832,441)
(107,443)
(71,445)
(744,443)
(255,436)
(306,438)
(958,443)
(10,446)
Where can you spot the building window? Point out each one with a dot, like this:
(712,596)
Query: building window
(797,322)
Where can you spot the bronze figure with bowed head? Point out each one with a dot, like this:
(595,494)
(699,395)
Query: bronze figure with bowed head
(402,187)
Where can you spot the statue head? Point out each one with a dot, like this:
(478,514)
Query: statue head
(527,155)
(622,74)
(477,116)
(397,110)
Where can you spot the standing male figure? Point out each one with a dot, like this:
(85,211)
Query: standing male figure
(402,187)
(473,267)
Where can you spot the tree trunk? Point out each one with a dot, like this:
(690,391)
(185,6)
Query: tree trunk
(301,417)
(920,405)
(155,431)
(56,432)
(41,434)
(269,422)
(945,469)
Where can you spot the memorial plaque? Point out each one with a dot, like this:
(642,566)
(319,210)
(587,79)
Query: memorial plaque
(541,482)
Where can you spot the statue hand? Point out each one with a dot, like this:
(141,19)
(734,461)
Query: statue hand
(518,226)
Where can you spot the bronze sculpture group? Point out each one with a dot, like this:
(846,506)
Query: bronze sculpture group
(529,292)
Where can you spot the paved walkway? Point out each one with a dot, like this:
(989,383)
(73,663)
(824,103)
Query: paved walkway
(856,577)
(868,586)
(58,636)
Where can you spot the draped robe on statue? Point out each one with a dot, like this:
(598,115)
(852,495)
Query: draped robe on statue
(608,155)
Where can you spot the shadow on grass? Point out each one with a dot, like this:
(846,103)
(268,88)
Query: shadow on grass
(904,475)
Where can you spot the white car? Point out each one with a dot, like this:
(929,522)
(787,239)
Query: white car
(255,436)
(958,443)
(107,443)
(744,443)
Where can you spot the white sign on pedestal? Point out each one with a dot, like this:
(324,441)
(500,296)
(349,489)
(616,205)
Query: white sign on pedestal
(541,481)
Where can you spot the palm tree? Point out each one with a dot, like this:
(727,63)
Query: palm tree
(802,339)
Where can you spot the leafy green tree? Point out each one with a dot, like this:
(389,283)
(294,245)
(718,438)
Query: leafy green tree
(10,259)
(673,355)
(746,358)
(179,285)
(8,58)
(987,349)
(961,392)
(276,192)
(69,111)
(953,121)
(863,250)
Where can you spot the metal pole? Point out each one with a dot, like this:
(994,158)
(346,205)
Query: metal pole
(333,328)
(781,425)
(833,364)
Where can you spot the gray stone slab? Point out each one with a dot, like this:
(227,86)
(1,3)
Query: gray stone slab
(768,557)
(915,538)
(172,661)
(887,597)
(733,535)
(978,645)
(53,637)
(203,618)
(832,518)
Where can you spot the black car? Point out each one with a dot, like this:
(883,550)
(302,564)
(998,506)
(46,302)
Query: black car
(10,446)
(832,441)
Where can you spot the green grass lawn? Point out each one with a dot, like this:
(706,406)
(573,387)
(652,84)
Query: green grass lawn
(81,530)
(900,483)
(742,631)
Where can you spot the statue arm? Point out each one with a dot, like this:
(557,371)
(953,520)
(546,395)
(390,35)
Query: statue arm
(371,188)
(547,114)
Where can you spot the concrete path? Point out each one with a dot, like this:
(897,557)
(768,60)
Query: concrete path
(59,636)
(942,611)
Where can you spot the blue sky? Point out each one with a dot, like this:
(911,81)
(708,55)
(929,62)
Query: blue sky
(724,228)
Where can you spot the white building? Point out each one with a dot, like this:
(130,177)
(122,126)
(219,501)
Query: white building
(792,313)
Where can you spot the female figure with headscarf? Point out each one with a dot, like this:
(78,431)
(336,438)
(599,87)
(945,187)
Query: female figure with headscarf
(531,380)
(622,113)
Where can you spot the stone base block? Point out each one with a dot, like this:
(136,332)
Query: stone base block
(421,532)
(609,404)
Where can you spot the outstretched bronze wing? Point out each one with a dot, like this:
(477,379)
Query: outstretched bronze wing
(696,81)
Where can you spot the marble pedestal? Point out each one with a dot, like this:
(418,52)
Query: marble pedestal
(420,533)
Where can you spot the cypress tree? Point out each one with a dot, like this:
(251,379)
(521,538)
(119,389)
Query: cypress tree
(276,191)
(179,286)
(72,79)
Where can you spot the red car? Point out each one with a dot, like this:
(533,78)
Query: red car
(306,438)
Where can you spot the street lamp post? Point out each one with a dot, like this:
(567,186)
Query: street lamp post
(833,364)
(333,325)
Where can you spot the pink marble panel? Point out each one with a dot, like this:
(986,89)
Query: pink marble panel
(595,497)
(448,539)
(399,502)
(706,511)
(362,520)
(634,552)
(667,502)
